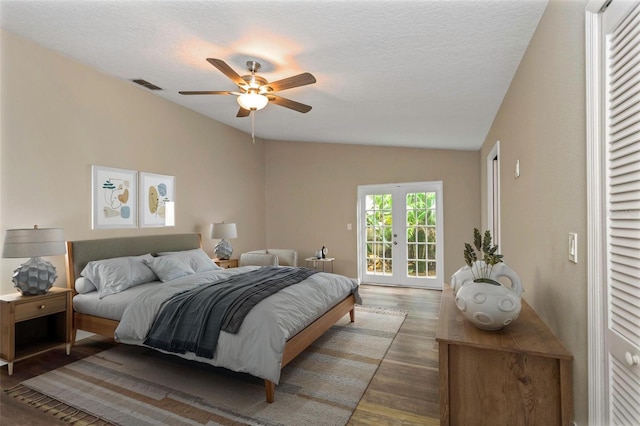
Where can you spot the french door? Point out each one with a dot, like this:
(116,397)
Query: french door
(400,234)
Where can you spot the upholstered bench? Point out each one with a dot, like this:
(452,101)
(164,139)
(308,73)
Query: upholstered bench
(270,257)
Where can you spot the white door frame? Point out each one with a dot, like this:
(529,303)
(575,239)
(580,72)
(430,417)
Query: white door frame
(492,194)
(596,267)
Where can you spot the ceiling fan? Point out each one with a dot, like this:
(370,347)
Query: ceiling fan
(255,91)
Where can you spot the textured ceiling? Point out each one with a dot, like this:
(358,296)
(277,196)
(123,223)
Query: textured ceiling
(400,73)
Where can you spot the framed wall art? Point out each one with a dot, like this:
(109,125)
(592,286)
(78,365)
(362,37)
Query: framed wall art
(114,197)
(157,197)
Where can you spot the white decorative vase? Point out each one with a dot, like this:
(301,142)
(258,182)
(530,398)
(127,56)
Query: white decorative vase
(460,277)
(488,306)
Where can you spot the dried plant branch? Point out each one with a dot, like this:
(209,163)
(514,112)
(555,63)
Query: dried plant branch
(490,256)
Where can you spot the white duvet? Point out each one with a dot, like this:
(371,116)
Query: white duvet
(258,347)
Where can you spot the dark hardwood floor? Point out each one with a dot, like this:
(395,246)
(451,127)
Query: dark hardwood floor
(404,390)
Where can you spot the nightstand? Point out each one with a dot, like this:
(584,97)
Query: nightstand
(31,325)
(314,263)
(226,263)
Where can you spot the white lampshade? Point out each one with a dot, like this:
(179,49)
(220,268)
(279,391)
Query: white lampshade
(34,242)
(252,101)
(223,230)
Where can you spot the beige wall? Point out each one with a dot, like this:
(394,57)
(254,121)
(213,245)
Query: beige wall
(312,193)
(60,117)
(542,123)
(63,117)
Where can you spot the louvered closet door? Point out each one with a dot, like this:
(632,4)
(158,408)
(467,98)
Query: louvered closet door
(622,42)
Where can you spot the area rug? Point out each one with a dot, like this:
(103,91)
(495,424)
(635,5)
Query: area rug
(131,385)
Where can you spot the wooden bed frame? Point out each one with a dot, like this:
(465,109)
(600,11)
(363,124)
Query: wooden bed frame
(132,246)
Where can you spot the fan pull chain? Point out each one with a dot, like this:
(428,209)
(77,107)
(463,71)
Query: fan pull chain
(253,127)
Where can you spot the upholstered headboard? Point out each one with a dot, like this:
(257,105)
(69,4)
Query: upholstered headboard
(79,253)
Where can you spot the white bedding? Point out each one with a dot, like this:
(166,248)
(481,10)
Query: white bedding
(258,347)
(112,306)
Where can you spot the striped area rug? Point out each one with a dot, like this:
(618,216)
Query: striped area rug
(130,385)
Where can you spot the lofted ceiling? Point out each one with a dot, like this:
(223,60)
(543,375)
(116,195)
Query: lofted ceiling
(412,73)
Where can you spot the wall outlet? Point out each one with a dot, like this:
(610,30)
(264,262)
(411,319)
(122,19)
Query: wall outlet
(573,247)
(348,227)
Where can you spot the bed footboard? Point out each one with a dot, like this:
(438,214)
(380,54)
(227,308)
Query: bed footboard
(310,334)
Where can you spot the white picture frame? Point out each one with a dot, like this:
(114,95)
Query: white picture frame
(155,192)
(114,198)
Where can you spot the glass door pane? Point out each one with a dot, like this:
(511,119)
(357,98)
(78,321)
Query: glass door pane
(421,234)
(379,227)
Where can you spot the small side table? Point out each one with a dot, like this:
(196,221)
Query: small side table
(314,263)
(226,263)
(32,325)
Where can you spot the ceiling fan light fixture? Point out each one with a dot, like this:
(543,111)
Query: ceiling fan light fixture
(255,91)
(252,101)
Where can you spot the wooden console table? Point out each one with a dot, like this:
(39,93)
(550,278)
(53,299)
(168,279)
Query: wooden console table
(520,375)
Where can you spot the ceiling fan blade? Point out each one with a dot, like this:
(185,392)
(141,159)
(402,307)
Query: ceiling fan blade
(291,82)
(207,92)
(288,103)
(243,112)
(228,71)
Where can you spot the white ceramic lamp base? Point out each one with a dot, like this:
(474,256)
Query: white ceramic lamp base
(223,250)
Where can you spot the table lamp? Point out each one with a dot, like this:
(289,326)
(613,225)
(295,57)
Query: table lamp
(221,231)
(36,276)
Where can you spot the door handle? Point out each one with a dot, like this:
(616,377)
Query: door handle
(631,359)
(395,243)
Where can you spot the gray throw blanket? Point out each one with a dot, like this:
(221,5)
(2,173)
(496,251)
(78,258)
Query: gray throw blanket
(191,321)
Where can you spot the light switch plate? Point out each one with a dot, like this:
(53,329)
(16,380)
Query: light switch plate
(573,247)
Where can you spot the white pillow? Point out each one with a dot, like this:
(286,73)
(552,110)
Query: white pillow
(111,276)
(196,258)
(169,268)
(83,285)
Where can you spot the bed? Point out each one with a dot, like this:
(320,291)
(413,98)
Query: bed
(291,314)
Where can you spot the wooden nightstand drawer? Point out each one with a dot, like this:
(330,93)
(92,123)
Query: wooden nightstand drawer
(226,263)
(40,307)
